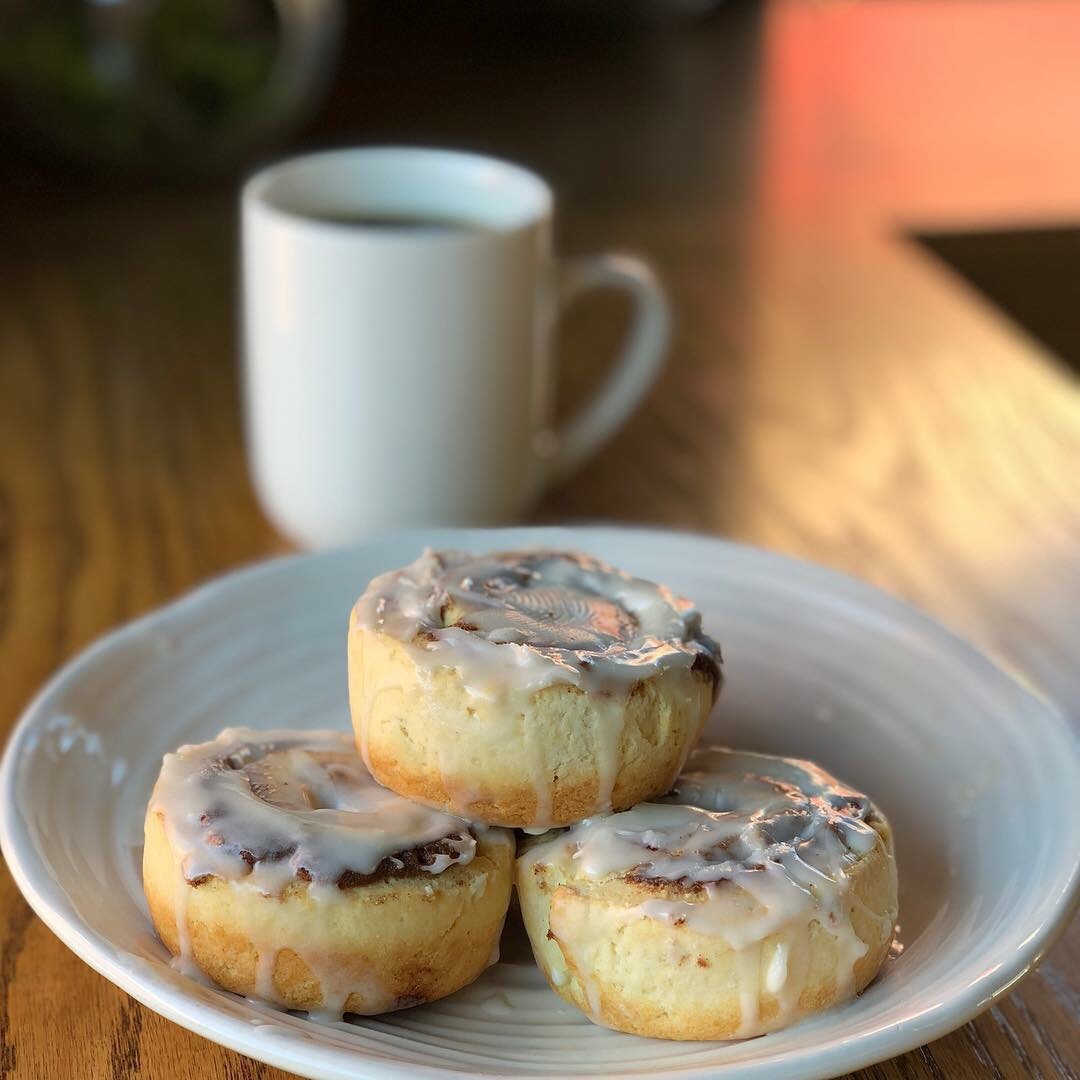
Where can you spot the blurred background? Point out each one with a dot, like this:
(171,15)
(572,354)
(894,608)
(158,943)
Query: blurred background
(867,216)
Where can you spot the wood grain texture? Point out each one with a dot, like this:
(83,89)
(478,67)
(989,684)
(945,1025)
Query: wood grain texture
(832,393)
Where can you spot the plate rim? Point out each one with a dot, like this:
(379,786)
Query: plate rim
(31,875)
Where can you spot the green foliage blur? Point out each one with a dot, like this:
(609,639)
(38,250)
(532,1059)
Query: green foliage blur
(156,82)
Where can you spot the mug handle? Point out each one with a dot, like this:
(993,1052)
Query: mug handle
(637,366)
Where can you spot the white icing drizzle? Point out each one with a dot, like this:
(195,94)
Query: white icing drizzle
(266,808)
(747,966)
(539,778)
(514,623)
(264,975)
(183,961)
(784,831)
(529,619)
(270,807)
(777,971)
(592,997)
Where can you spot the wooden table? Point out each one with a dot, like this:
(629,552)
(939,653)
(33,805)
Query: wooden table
(832,393)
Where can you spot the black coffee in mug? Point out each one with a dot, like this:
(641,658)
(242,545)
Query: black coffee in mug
(399,313)
(399,222)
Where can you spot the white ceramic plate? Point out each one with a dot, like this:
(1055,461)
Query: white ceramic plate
(978,776)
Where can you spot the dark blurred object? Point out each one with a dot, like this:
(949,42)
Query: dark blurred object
(195,85)
(1030,273)
(609,100)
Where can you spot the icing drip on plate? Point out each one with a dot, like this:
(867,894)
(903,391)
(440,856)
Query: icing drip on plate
(528,619)
(271,807)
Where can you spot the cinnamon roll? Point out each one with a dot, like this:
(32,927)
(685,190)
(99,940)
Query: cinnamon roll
(529,688)
(275,865)
(760,890)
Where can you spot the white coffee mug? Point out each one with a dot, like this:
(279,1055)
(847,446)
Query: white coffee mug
(398,314)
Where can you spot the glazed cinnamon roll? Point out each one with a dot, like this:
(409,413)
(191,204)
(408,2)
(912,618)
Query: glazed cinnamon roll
(275,865)
(760,890)
(529,688)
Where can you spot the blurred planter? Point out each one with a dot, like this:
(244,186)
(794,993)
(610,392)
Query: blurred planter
(190,86)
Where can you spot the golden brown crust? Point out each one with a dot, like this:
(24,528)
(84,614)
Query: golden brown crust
(405,940)
(538,760)
(515,806)
(668,980)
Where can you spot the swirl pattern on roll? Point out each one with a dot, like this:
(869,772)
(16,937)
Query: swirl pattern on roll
(785,834)
(534,618)
(756,854)
(269,807)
